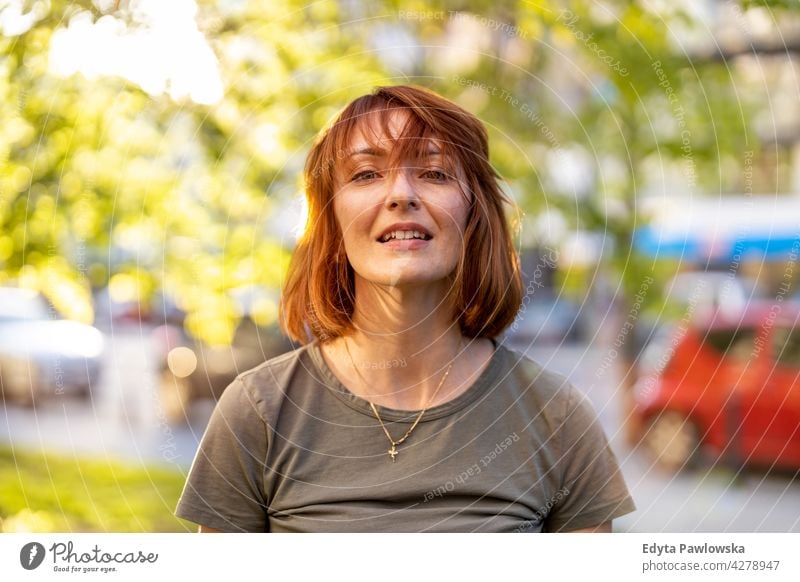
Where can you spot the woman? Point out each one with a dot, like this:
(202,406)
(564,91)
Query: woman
(401,412)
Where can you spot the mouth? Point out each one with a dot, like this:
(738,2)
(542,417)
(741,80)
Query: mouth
(406,245)
(405,240)
(404,235)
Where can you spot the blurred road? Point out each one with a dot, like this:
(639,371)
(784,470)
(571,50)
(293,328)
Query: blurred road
(124,420)
(715,499)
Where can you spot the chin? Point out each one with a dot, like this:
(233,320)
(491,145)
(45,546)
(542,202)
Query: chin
(409,279)
(409,273)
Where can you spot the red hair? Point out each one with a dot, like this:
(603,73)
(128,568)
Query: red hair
(318,296)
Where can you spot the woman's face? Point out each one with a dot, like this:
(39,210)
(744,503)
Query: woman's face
(379,209)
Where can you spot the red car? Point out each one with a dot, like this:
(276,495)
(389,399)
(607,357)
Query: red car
(725,385)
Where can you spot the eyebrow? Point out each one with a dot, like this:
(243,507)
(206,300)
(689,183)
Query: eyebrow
(379,152)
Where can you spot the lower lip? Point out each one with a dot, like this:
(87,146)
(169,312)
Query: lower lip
(410,244)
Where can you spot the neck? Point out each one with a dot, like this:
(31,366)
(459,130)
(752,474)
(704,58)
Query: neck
(404,341)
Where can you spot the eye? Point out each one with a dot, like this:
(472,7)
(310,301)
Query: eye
(436,175)
(364,176)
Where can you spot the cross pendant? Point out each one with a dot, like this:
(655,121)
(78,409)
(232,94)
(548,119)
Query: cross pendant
(393,452)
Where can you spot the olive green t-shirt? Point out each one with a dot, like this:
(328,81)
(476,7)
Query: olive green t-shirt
(290,449)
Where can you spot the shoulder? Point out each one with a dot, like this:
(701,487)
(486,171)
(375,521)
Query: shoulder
(263,387)
(544,389)
(273,371)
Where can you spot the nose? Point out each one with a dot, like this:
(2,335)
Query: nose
(402,192)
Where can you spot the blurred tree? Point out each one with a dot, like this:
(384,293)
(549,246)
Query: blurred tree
(108,178)
(112,178)
(592,105)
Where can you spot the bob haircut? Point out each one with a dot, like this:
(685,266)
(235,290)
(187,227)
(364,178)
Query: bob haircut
(318,296)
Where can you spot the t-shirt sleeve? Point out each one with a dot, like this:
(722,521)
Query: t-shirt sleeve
(225,486)
(593,490)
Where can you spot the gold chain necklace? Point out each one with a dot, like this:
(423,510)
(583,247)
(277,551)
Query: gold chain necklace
(393,451)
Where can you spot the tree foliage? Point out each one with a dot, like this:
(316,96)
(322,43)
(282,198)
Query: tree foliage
(105,183)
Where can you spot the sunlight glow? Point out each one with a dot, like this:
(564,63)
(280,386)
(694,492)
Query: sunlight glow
(164,52)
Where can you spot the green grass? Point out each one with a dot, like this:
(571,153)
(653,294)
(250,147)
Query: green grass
(44,492)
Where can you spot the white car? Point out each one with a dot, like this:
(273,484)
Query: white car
(42,355)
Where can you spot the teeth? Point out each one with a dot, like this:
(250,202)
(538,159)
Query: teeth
(403,235)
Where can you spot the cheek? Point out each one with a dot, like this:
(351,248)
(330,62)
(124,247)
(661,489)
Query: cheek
(453,213)
(353,218)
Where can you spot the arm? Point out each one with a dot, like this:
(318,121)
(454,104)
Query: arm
(592,486)
(204,529)
(602,528)
(224,490)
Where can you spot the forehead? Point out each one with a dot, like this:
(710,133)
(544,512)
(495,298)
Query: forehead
(391,133)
